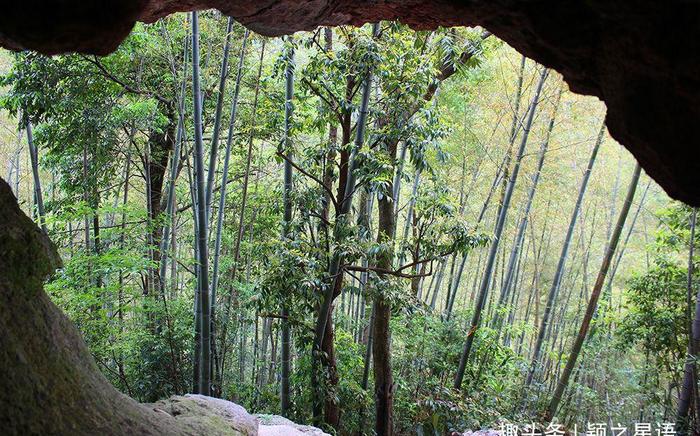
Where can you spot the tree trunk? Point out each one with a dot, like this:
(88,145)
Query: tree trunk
(481,299)
(214,150)
(241,218)
(365,372)
(562,261)
(508,281)
(222,203)
(286,231)
(593,301)
(86,199)
(159,147)
(39,198)
(198,286)
(689,385)
(381,350)
(202,225)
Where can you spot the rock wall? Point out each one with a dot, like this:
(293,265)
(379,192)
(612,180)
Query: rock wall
(49,382)
(641,57)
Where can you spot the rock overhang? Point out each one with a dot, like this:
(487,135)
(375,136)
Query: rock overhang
(641,58)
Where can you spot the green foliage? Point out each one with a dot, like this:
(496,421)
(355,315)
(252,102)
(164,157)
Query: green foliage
(440,108)
(101,294)
(656,317)
(425,357)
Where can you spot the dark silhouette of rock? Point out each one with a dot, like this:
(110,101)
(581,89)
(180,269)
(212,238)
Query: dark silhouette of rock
(49,381)
(642,58)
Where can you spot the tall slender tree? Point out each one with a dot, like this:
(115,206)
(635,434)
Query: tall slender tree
(500,224)
(517,244)
(593,300)
(554,289)
(38,196)
(286,226)
(241,217)
(204,387)
(345,203)
(689,386)
(222,192)
(214,149)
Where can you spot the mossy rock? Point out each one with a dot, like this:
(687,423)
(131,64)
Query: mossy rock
(49,381)
(274,425)
(207,415)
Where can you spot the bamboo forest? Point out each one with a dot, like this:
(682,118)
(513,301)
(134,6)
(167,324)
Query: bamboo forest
(366,230)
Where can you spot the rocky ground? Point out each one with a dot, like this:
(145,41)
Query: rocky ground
(273,425)
(227,418)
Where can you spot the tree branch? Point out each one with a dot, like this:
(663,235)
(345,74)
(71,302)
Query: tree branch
(332,105)
(311,176)
(108,75)
(385,271)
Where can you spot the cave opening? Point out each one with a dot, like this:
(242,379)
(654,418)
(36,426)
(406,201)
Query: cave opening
(624,54)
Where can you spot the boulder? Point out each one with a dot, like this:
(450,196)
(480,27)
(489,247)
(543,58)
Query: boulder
(274,425)
(207,415)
